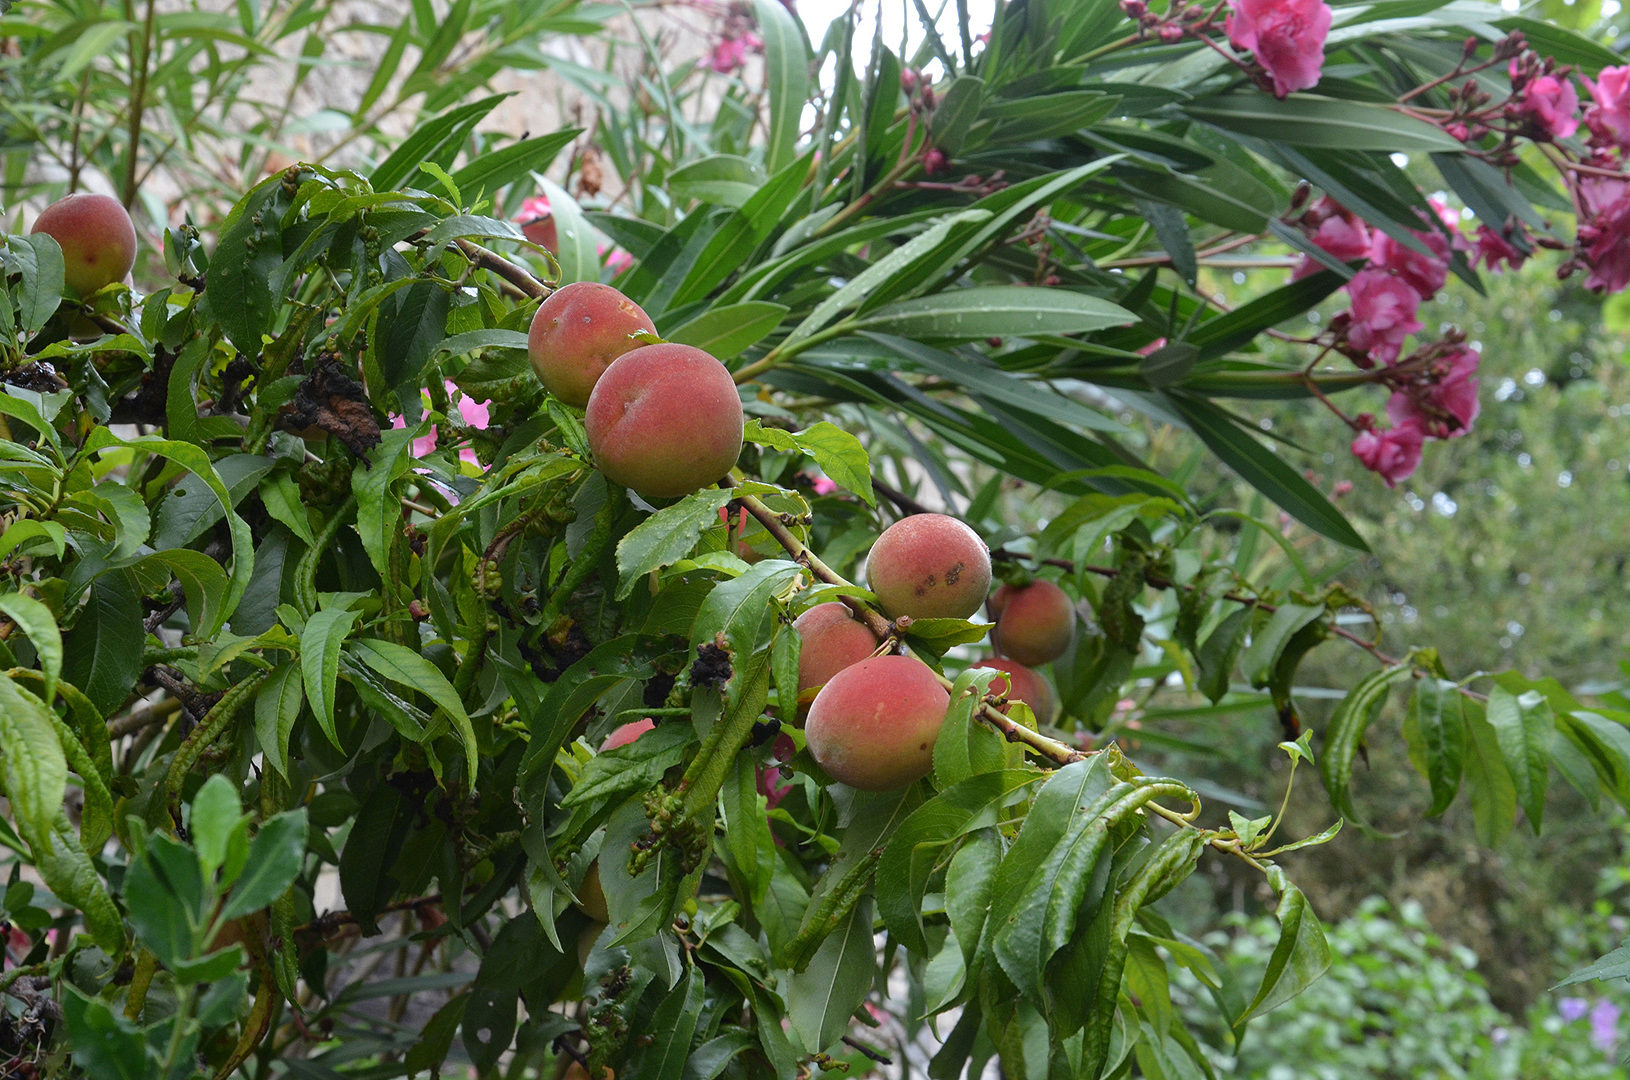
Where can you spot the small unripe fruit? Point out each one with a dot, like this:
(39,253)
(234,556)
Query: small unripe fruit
(1035,623)
(1019,683)
(665,420)
(627,734)
(833,639)
(97,238)
(576,334)
(929,566)
(873,725)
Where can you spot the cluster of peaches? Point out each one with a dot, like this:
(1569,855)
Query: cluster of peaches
(666,420)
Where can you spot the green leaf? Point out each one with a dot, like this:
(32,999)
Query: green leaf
(1522,727)
(489,172)
(1267,644)
(33,770)
(635,766)
(1299,958)
(786,75)
(275,855)
(1263,469)
(102,653)
(837,452)
(35,619)
(378,512)
(1615,965)
(40,260)
(739,608)
(995,311)
(956,113)
(277,707)
(406,667)
(1436,728)
(726,332)
(320,644)
(1311,120)
(428,139)
(666,536)
(1345,733)
(822,997)
(104,1043)
(1568,46)
(1605,744)
(574,237)
(1493,795)
(722,179)
(216,813)
(914,848)
(674,1024)
(69,873)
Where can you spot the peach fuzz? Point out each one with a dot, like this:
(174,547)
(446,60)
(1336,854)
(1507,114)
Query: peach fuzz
(873,725)
(576,334)
(665,420)
(929,566)
(1035,623)
(833,639)
(1019,683)
(97,239)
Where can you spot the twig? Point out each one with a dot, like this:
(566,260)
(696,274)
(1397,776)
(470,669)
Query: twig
(514,273)
(899,498)
(137,719)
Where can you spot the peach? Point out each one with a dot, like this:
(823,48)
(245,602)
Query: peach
(591,895)
(542,230)
(576,334)
(929,566)
(665,420)
(833,639)
(627,734)
(1019,683)
(97,238)
(874,723)
(1035,623)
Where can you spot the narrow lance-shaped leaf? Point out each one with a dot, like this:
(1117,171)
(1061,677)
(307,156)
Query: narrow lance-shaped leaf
(1523,725)
(1345,733)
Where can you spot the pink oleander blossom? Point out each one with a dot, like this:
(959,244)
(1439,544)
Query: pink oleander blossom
(534,208)
(1423,273)
(730,54)
(1493,248)
(1382,315)
(474,413)
(1343,235)
(1443,409)
(1285,36)
(1393,453)
(1605,242)
(1609,117)
(823,486)
(1551,104)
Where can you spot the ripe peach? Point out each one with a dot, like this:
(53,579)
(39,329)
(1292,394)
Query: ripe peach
(627,734)
(1035,623)
(874,723)
(929,566)
(665,420)
(833,639)
(1019,683)
(98,241)
(576,334)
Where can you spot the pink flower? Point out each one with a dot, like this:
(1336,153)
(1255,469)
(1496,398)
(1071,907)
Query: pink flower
(1446,407)
(1423,273)
(1341,234)
(1605,244)
(1286,37)
(1609,118)
(935,161)
(534,208)
(823,486)
(1552,105)
(731,52)
(1153,347)
(1394,453)
(1493,248)
(474,414)
(618,261)
(1383,314)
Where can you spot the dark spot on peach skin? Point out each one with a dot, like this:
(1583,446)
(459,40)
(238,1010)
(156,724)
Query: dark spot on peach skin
(952,574)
